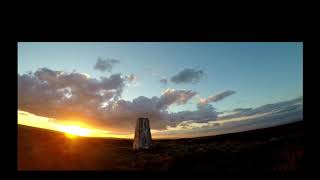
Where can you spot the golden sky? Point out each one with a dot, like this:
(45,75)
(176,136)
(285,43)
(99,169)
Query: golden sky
(70,127)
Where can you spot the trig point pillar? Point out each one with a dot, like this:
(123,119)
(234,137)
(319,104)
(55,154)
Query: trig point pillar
(142,135)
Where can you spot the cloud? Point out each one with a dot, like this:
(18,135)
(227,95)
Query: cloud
(59,94)
(242,109)
(203,113)
(171,96)
(155,108)
(62,95)
(187,76)
(131,77)
(164,80)
(217,97)
(244,119)
(279,107)
(132,80)
(105,64)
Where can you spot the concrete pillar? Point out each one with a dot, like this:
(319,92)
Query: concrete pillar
(142,135)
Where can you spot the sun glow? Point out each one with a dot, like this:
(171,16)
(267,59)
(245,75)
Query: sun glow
(73,131)
(72,127)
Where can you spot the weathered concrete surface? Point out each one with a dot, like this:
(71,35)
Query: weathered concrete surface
(142,135)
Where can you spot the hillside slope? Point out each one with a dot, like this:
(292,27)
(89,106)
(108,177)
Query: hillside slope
(272,149)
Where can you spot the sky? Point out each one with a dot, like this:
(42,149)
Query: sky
(172,83)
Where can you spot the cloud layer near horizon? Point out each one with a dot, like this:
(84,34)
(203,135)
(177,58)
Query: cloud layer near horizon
(240,120)
(61,95)
(218,97)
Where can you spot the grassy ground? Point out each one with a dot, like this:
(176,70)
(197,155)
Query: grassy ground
(272,149)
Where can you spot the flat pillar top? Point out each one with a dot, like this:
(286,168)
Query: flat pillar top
(142,118)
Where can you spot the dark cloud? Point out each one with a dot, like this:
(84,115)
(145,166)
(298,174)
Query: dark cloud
(242,109)
(187,76)
(171,96)
(274,108)
(217,97)
(164,81)
(122,114)
(59,94)
(265,116)
(105,64)
(155,108)
(204,113)
(243,120)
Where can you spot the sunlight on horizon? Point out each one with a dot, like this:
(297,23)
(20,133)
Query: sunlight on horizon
(72,129)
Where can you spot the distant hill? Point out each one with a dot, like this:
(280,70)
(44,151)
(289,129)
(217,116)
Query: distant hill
(272,149)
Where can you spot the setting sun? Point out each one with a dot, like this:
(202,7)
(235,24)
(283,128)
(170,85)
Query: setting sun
(72,131)
(72,128)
